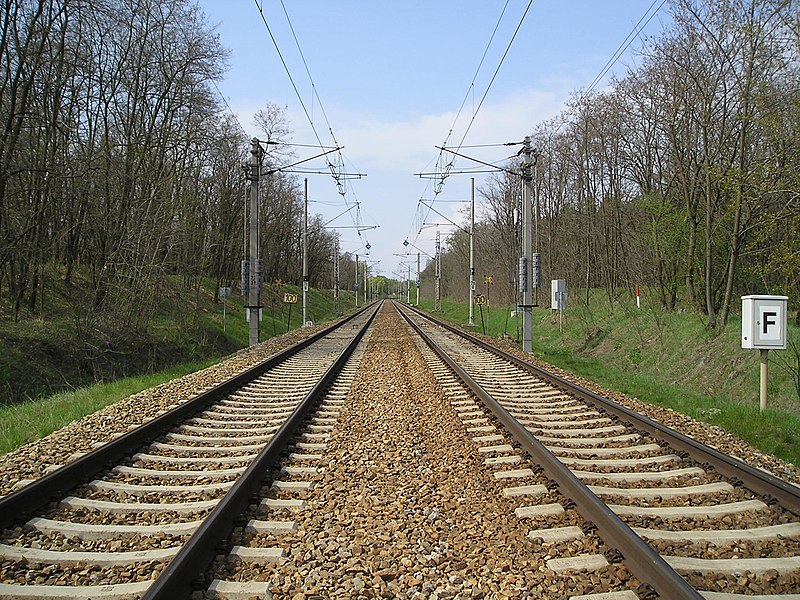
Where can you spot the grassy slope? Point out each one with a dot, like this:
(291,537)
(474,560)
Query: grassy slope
(27,421)
(57,353)
(55,369)
(188,345)
(667,359)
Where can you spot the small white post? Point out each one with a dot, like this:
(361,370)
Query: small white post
(762,405)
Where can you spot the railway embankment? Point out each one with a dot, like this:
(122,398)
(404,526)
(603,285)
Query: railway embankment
(669,358)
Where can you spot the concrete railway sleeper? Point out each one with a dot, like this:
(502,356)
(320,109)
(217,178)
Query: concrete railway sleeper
(654,502)
(414,497)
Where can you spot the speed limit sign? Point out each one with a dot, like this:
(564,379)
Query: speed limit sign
(290,298)
(480,299)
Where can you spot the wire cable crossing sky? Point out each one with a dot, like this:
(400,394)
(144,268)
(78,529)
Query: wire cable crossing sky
(385,73)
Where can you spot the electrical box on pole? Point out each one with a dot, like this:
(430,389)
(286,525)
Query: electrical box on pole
(764,322)
(536,270)
(558,294)
(558,299)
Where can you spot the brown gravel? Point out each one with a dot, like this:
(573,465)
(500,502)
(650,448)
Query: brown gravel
(405,506)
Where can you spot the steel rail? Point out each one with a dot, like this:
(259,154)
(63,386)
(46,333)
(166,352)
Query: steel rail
(644,562)
(739,472)
(35,495)
(191,560)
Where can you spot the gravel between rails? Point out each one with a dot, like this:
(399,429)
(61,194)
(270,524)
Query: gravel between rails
(32,460)
(405,506)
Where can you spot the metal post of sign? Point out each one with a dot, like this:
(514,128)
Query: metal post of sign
(355,286)
(762,397)
(480,300)
(289,299)
(224,292)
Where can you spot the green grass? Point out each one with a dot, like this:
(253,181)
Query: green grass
(667,359)
(38,355)
(28,421)
(62,350)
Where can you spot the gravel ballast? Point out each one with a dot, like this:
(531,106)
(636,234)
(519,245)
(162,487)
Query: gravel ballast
(405,506)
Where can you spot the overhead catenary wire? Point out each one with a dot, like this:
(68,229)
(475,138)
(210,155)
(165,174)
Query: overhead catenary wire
(445,169)
(625,44)
(646,18)
(471,88)
(335,172)
(496,71)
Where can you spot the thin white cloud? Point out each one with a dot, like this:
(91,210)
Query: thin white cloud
(410,145)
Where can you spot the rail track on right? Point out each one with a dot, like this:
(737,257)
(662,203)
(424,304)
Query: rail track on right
(686,519)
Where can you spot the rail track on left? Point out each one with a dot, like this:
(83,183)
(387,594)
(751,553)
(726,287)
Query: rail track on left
(111,520)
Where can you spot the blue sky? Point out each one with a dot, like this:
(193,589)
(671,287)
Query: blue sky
(391,77)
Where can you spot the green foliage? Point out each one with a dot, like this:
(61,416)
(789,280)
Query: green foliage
(635,356)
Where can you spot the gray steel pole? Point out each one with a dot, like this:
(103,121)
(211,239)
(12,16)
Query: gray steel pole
(418,281)
(526,262)
(437,300)
(336,276)
(472,254)
(356,290)
(305,252)
(253,297)
(408,286)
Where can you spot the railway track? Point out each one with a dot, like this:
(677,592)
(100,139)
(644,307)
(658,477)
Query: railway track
(427,467)
(167,491)
(729,530)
